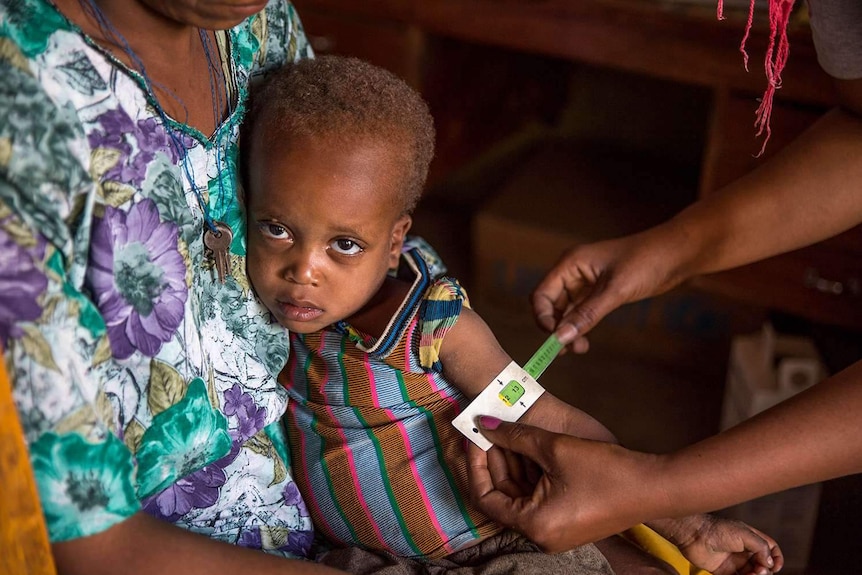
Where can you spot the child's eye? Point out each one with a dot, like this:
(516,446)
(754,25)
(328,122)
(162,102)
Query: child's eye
(346,247)
(274,231)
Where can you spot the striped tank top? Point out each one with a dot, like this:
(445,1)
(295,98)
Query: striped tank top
(369,423)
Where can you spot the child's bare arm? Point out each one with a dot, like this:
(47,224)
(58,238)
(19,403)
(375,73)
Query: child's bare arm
(472,357)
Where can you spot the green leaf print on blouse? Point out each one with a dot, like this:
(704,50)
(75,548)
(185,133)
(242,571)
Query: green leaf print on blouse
(30,25)
(224,203)
(272,347)
(246,44)
(88,316)
(40,167)
(181,439)
(163,186)
(84,487)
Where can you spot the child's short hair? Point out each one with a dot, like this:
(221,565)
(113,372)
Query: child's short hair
(342,96)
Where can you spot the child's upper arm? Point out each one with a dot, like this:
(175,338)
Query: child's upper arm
(470,354)
(472,358)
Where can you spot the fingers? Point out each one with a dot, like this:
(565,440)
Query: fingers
(760,553)
(502,490)
(767,552)
(549,299)
(568,336)
(507,472)
(562,289)
(572,310)
(524,439)
(533,472)
(737,548)
(517,470)
(777,558)
(483,492)
(584,316)
(480,475)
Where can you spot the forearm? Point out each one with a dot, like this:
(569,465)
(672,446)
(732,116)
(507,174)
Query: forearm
(809,438)
(142,545)
(553,414)
(806,193)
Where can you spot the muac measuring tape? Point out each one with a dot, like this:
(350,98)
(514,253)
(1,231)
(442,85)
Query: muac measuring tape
(510,394)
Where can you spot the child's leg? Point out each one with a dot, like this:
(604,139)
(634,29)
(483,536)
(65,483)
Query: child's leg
(626,558)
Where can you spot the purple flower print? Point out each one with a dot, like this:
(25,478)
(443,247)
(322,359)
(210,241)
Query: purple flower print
(117,133)
(292,496)
(197,490)
(138,278)
(116,126)
(298,542)
(250,418)
(250,538)
(21,283)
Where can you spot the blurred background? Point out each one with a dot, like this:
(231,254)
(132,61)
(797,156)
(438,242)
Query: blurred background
(567,121)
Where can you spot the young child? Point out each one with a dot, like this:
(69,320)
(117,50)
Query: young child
(385,352)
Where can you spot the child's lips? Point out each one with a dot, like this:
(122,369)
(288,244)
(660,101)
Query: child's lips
(299,311)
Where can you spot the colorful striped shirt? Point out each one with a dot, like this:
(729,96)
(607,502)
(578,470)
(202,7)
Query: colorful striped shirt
(369,425)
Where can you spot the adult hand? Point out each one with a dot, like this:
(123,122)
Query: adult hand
(592,280)
(587,490)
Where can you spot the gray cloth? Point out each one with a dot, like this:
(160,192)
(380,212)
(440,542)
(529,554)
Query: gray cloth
(507,553)
(836,26)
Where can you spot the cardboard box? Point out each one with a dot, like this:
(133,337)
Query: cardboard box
(568,192)
(656,368)
(575,192)
(766,368)
(650,405)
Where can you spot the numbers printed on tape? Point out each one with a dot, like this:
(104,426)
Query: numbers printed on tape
(540,361)
(507,397)
(512,392)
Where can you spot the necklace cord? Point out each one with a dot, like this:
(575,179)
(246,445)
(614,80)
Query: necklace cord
(111,32)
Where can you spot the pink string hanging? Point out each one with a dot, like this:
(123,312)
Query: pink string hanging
(776,57)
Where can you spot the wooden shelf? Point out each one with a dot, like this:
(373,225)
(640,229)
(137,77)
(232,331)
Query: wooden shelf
(488,67)
(822,282)
(662,39)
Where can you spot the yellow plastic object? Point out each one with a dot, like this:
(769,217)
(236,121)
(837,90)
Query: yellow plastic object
(23,535)
(660,547)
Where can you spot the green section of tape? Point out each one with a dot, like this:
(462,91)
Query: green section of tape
(543,357)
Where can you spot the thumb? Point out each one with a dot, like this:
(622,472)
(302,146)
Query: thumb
(584,316)
(526,440)
(485,489)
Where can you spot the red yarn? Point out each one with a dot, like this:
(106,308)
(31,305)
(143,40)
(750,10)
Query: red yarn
(774,61)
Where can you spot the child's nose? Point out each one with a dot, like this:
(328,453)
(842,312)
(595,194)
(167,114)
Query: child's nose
(301,266)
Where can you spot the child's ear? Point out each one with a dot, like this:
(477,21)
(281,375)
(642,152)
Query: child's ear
(399,232)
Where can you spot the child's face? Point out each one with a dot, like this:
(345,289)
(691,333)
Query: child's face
(324,228)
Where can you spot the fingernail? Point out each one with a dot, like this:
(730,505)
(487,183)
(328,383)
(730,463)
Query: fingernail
(566,333)
(770,562)
(489,422)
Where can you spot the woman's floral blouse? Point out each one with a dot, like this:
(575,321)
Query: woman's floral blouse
(142,382)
